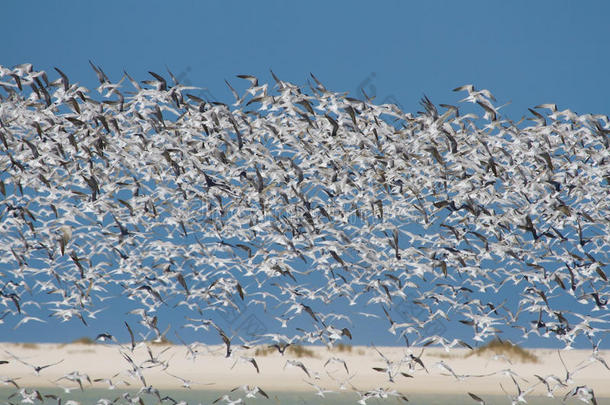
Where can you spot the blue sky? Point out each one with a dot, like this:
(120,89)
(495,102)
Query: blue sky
(525,53)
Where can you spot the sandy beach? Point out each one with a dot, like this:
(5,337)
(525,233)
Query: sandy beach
(210,369)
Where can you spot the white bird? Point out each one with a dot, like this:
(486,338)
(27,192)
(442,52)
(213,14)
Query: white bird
(251,391)
(583,393)
(319,390)
(298,364)
(290,203)
(27,319)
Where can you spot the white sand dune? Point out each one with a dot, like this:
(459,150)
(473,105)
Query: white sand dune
(211,370)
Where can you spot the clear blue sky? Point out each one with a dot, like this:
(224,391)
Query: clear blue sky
(524,52)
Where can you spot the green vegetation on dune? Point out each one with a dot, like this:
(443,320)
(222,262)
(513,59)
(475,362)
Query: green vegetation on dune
(294,350)
(85,340)
(508,349)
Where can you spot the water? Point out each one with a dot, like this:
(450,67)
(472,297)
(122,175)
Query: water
(195,397)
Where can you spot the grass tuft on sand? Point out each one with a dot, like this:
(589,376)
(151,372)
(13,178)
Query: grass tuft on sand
(342,348)
(511,351)
(27,345)
(85,340)
(294,350)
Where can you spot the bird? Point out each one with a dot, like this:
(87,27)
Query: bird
(251,391)
(76,376)
(111,385)
(226,341)
(443,366)
(296,363)
(7,380)
(250,360)
(28,396)
(285,205)
(37,369)
(478,399)
(337,360)
(104,336)
(228,400)
(583,393)
(473,94)
(27,319)
(319,391)
(281,347)
(131,336)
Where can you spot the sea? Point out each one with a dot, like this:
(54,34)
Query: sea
(195,397)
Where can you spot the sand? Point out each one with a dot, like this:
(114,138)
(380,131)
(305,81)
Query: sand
(212,370)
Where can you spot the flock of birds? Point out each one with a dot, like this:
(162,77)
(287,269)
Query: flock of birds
(301,202)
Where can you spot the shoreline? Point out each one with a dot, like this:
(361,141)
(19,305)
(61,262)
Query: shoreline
(172,367)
